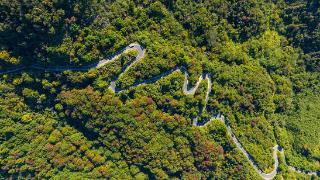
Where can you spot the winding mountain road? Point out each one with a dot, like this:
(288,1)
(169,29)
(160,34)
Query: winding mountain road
(186,91)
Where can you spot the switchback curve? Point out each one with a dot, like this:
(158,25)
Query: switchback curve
(186,91)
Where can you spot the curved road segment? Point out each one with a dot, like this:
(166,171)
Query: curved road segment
(186,91)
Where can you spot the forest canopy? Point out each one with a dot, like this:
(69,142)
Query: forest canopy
(263,58)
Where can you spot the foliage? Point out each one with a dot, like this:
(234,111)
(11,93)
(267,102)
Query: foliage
(298,133)
(262,57)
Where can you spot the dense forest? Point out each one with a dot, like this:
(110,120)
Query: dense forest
(263,57)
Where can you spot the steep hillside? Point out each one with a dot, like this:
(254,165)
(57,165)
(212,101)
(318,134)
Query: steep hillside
(132,89)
